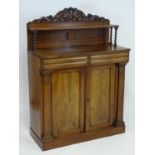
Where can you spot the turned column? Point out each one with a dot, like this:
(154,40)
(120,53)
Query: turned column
(115,38)
(47,104)
(120,94)
(111,30)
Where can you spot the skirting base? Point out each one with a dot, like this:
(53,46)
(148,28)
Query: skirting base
(76,138)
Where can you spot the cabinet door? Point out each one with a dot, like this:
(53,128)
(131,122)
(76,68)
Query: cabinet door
(100,96)
(68,101)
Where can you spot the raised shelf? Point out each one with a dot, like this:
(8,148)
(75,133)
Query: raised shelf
(65,26)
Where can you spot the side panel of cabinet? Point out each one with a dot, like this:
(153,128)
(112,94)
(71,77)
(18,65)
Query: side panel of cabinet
(100,96)
(35,94)
(68,101)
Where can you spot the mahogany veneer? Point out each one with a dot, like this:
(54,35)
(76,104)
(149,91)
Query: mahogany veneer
(76,78)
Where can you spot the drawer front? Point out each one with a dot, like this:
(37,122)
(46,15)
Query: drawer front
(109,59)
(62,63)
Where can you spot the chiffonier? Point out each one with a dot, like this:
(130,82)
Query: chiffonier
(76,78)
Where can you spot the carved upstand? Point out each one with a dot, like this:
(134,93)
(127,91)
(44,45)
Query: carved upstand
(76,78)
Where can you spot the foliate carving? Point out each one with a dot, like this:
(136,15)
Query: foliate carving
(69,15)
(44,19)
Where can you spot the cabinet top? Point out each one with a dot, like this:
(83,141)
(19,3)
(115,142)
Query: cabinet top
(80,51)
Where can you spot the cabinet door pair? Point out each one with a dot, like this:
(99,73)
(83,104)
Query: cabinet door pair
(82,99)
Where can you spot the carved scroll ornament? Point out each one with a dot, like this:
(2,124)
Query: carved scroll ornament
(69,15)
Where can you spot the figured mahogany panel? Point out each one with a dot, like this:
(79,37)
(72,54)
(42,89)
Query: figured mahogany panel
(68,101)
(100,95)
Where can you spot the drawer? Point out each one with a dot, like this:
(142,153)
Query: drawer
(68,62)
(109,59)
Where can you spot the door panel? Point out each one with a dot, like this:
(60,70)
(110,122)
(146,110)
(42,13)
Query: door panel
(100,96)
(68,101)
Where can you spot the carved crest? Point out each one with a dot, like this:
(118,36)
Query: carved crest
(69,15)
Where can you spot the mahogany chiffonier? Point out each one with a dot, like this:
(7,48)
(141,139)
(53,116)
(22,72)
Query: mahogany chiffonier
(76,78)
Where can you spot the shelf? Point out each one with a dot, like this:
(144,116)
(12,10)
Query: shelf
(64,26)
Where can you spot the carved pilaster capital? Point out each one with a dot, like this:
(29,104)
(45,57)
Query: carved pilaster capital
(45,72)
(46,75)
(122,64)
